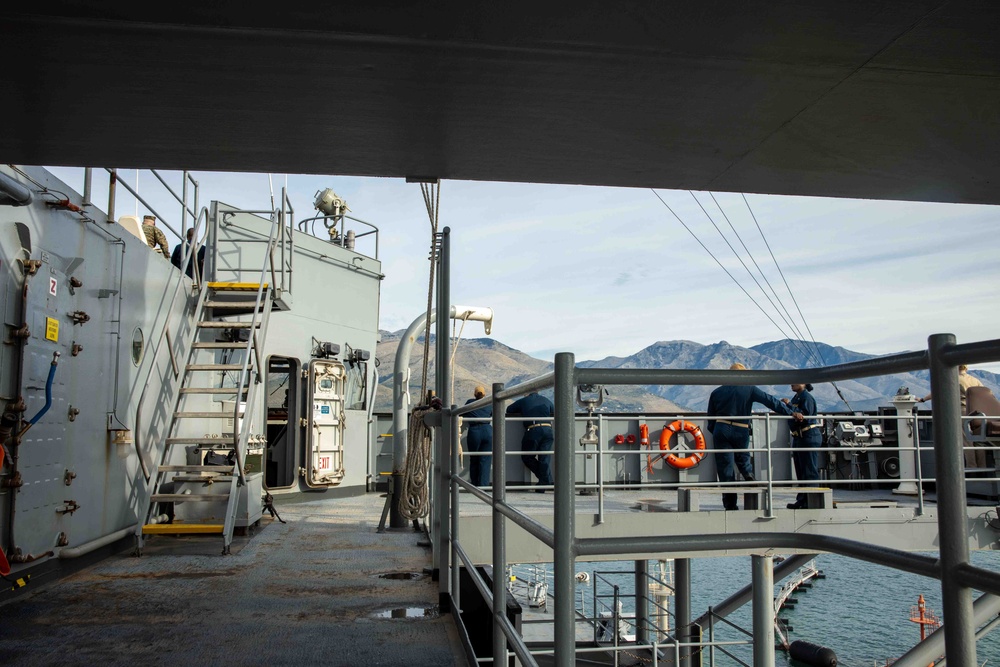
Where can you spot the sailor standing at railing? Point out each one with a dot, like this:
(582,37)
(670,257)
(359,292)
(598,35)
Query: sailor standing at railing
(538,435)
(480,440)
(806,436)
(736,401)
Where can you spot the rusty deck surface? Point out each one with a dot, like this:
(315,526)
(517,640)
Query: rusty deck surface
(307,592)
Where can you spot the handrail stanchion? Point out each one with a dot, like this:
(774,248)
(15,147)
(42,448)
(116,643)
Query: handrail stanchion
(600,468)
(443,386)
(956,597)
(564,553)
(920,474)
(450,422)
(769,496)
(499,527)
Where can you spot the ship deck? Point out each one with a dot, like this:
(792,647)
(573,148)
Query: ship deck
(306,592)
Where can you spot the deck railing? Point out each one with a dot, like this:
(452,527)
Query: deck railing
(957,575)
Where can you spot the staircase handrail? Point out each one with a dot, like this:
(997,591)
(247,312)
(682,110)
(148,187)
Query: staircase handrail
(188,254)
(249,407)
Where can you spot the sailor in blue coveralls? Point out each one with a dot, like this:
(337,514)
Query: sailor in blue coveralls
(735,433)
(480,440)
(538,435)
(805,435)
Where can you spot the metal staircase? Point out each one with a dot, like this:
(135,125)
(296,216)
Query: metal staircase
(232,369)
(218,405)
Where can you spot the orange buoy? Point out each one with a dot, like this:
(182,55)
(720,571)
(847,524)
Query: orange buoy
(691,459)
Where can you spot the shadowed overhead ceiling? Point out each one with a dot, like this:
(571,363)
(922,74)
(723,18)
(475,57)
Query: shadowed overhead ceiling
(891,100)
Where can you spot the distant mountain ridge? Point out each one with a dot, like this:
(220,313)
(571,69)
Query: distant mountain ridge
(485,360)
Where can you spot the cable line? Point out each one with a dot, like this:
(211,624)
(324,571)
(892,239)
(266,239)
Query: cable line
(790,318)
(695,236)
(754,278)
(782,274)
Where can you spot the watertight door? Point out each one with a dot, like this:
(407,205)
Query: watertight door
(325,434)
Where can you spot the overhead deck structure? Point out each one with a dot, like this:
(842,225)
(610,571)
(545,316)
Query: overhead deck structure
(846,98)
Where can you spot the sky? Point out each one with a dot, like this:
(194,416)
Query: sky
(603,271)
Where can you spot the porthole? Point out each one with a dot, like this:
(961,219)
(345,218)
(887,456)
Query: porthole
(138,346)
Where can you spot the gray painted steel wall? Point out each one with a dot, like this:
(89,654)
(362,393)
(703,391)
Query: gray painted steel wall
(122,280)
(126,286)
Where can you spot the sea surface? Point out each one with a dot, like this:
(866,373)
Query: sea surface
(859,610)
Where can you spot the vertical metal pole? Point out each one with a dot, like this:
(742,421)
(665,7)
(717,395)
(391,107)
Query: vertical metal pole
(600,470)
(769,497)
(499,527)
(284,233)
(763,610)
(452,424)
(959,626)
(564,553)
(920,472)
(642,601)
(184,214)
(682,607)
(442,375)
(112,183)
(88,182)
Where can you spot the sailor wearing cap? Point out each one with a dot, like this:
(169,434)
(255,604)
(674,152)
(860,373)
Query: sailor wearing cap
(805,436)
(480,440)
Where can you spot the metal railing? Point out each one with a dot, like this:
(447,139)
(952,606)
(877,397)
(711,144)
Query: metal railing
(335,226)
(958,576)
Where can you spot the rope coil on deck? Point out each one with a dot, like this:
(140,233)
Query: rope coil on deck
(413,500)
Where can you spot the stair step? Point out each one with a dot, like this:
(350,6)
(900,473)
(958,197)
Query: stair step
(183,529)
(243,305)
(189,497)
(217,367)
(205,415)
(222,470)
(219,346)
(242,324)
(194,440)
(210,390)
(234,287)
(202,479)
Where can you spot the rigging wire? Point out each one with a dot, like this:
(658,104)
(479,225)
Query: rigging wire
(432,201)
(789,319)
(752,277)
(819,351)
(721,266)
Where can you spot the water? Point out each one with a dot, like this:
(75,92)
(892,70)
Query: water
(860,610)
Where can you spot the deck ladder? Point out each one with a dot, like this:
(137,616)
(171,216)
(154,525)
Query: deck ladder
(214,414)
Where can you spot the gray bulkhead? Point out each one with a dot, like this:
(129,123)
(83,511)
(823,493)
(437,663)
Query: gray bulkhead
(68,459)
(72,483)
(332,297)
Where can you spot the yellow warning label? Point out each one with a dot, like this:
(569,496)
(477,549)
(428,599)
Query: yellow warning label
(52,329)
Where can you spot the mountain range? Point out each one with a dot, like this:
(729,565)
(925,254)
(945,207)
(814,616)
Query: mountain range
(485,360)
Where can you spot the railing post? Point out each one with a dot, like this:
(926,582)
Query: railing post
(682,608)
(499,527)
(564,554)
(443,386)
(959,626)
(763,610)
(451,423)
(642,601)
(769,496)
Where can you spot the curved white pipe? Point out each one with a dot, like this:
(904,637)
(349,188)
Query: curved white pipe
(401,373)
(86,548)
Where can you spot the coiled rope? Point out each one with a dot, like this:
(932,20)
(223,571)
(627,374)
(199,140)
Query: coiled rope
(414,498)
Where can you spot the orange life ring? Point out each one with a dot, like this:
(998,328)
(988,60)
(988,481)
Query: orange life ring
(692,459)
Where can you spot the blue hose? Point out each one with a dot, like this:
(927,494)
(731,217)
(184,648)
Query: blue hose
(48,390)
